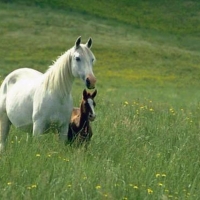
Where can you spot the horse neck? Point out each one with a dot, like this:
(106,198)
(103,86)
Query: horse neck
(59,78)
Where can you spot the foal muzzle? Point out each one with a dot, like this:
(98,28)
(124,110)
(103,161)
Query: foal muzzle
(92,117)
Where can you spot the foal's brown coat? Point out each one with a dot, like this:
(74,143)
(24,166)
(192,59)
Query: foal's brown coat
(79,127)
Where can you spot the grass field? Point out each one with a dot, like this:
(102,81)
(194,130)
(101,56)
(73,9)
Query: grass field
(146,134)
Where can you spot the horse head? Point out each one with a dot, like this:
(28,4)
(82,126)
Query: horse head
(82,62)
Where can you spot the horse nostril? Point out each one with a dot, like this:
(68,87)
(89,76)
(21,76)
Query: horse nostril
(87,82)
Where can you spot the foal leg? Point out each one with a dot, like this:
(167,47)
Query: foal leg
(4,130)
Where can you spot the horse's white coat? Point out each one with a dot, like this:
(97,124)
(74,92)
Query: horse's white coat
(32,100)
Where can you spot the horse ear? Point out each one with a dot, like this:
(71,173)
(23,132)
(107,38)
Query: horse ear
(78,42)
(94,94)
(84,94)
(89,43)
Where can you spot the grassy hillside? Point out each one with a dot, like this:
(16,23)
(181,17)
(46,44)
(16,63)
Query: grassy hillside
(147,55)
(167,16)
(127,57)
(146,135)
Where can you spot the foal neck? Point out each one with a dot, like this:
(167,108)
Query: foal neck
(84,121)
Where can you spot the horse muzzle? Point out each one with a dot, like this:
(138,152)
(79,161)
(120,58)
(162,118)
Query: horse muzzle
(90,81)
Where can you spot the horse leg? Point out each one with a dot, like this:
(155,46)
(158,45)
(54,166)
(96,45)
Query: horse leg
(64,128)
(38,128)
(4,130)
(63,133)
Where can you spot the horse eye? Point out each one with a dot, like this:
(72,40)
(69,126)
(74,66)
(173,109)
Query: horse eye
(92,59)
(78,59)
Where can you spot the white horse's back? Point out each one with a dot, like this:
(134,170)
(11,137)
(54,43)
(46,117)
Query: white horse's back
(17,93)
(21,74)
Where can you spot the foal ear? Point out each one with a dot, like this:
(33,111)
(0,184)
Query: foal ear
(94,94)
(78,42)
(89,43)
(84,94)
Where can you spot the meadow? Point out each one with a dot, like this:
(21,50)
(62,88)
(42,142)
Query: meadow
(146,134)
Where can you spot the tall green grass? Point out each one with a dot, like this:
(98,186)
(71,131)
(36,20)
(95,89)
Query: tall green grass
(146,134)
(140,150)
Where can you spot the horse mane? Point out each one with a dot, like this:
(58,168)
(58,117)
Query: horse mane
(59,75)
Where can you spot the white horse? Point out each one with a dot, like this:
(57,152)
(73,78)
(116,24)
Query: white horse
(32,100)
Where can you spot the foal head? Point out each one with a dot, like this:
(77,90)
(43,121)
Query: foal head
(88,104)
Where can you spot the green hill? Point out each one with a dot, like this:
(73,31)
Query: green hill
(138,42)
(181,16)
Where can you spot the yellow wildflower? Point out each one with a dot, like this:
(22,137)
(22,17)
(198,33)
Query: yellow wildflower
(126,102)
(34,186)
(157,175)
(150,191)
(135,187)
(98,187)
